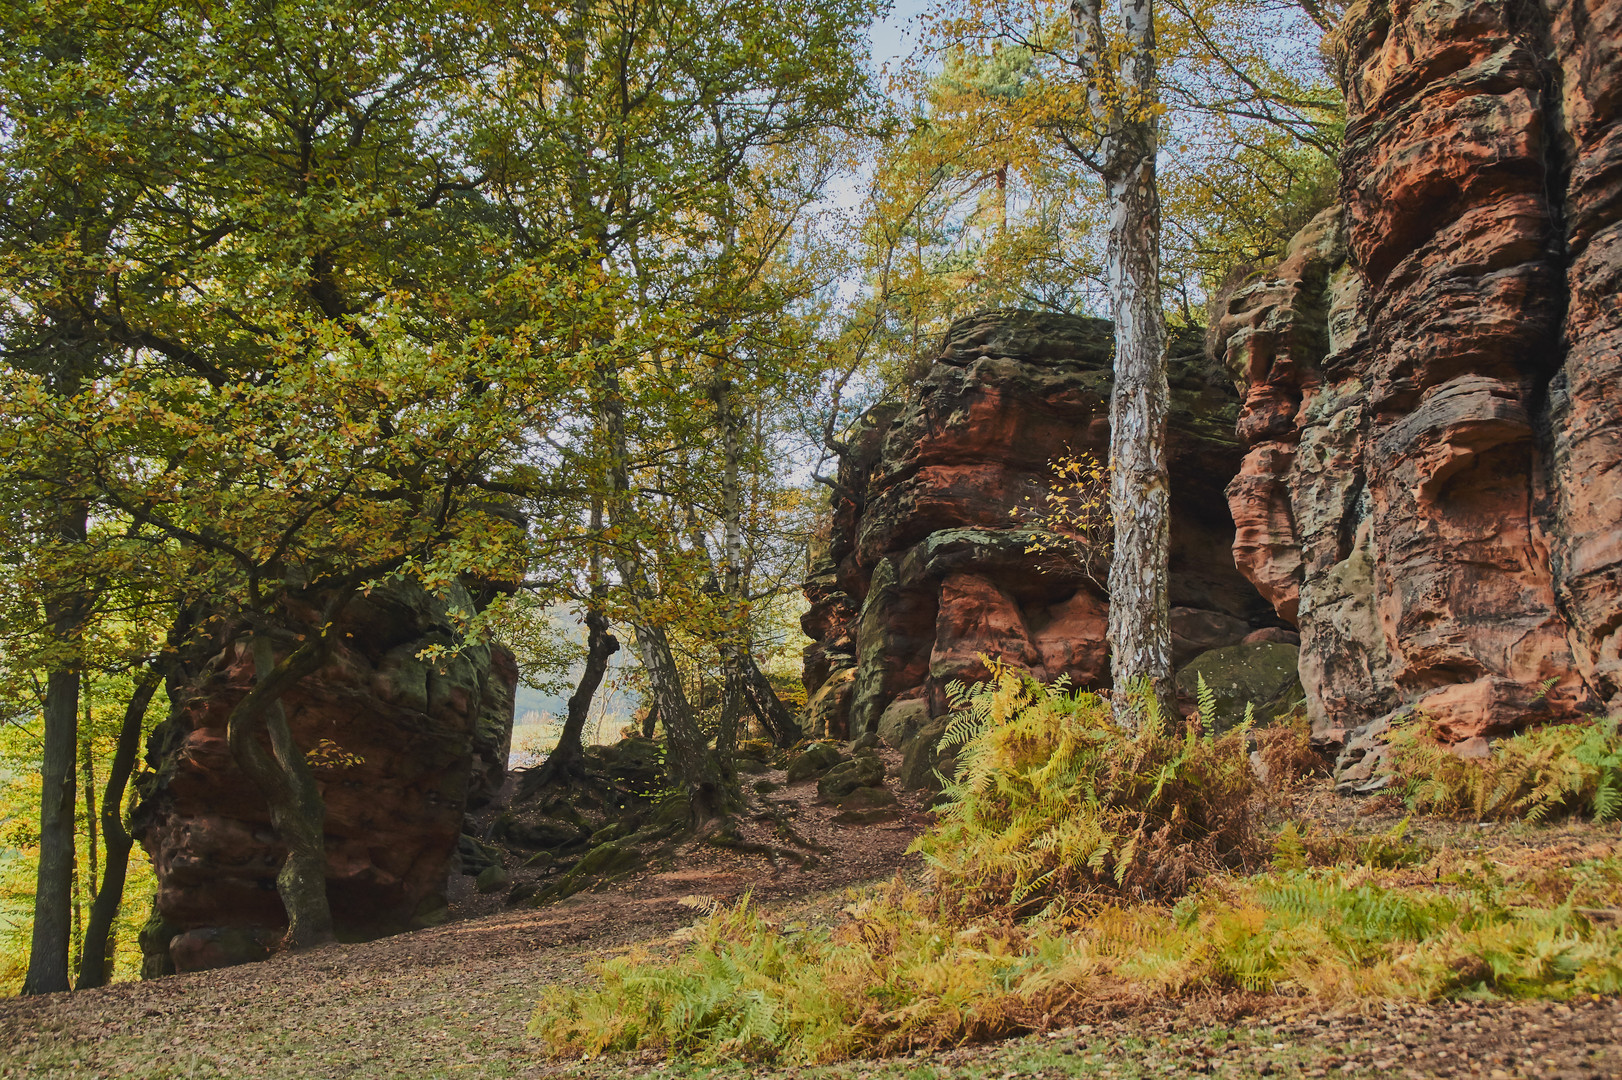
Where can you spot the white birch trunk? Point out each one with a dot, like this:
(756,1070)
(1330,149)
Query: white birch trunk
(1125,102)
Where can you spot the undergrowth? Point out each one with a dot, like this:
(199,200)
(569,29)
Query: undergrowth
(1053,802)
(904,971)
(1075,874)
(1554,771)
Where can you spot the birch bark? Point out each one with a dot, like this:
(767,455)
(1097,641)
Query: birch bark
(1124,100)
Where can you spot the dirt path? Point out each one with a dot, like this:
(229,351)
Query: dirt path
(454,1001)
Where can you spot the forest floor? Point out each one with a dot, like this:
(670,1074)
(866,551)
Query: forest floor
(454,1001)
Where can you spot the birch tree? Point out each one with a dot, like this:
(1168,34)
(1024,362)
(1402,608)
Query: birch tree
(1124,103)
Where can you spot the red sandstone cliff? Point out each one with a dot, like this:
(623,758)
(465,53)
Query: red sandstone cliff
(1432,488)
(430,737)
(924,567)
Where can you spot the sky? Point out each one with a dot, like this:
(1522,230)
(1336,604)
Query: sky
(892,36)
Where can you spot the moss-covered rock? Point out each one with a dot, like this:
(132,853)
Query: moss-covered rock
(1263,675)
(541,834)
(815,760)
(920,760)
(614,830)
(637,764)
(475,854)
(867,798)
(600,863)
(828,711)
(901,722)
(863,770)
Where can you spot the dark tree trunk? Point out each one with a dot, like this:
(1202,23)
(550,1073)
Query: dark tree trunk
(95,966)
(567,760)
(53,893)
(297,811)
(763,701)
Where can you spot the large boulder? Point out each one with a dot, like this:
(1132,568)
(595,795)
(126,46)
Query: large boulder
(925,565)
(402,747)
(1433,380)
(900,724)
(865,770)
(1261,678)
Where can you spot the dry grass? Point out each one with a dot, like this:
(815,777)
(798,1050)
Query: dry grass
(1056,811)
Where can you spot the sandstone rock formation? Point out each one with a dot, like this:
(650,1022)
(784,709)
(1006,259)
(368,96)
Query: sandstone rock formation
(925,565)
(431,739)
(1432,486)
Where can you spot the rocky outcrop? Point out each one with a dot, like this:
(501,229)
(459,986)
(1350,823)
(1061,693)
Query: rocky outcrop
(925,564)
(1432,482)
(401,746)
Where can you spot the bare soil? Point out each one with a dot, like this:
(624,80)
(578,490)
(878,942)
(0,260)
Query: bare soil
(454,1001)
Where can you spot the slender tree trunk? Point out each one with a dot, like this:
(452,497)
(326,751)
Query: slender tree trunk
(53,892)
(96,963)
(567,759)
(689,761)
(297,811)
(87,768)
(691,764)
(762,699)
(1140,492)
(744,677)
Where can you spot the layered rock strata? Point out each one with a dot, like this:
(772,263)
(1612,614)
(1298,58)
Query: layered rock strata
(401,747)
(925,564)
(1432,483)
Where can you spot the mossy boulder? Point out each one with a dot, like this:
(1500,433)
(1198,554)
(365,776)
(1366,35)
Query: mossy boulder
(1264,675)
(600,863)
(867,798)
(918,764)
(614,830)
(605,859)
(828,711)
(902,721)
(492,879)
(863,770)
(541,834)
(755,750)
(475,854)
(637,764)
(812,762)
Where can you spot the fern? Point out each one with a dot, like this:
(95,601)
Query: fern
(904,971)
(1553,771)
(1053,800)
(1207,700)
